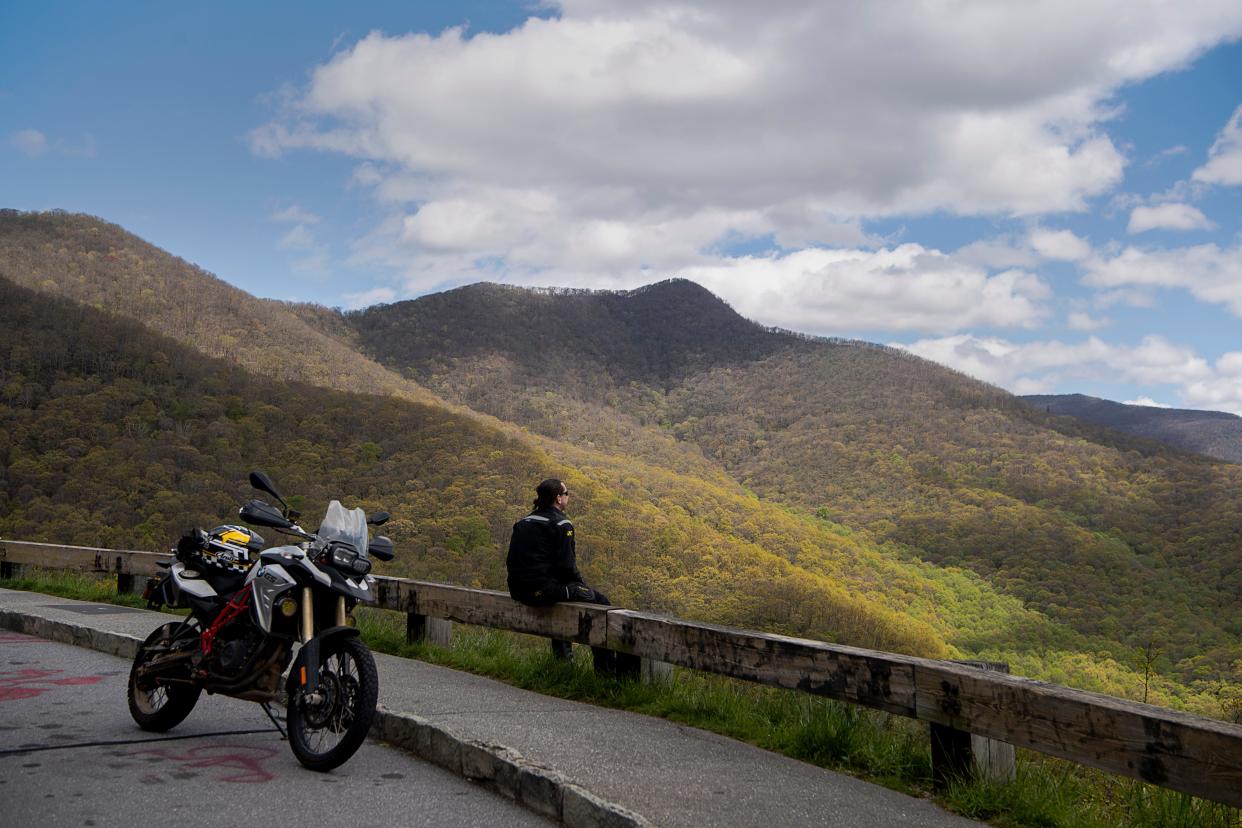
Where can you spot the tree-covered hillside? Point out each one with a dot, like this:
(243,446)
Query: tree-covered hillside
(101,265)
(1214,433)
(725,472)
(1113,536)
(115,436)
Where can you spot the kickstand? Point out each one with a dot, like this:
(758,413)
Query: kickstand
(267,708)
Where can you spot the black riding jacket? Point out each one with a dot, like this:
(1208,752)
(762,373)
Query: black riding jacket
(541,554)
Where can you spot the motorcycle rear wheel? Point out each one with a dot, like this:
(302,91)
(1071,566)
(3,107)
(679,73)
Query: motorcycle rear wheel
(323,736)
(157,706)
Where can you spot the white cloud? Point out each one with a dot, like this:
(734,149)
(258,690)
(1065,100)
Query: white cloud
(618,137)
(1209,273)
(1029,367)
(1224,164)
(997,253)
(1168,217)
(1148,402)
(299,238)
(1061,245)
(1083,321)
(1165,154)
(29,142)
(1127,296)
(295,214)
(908,288)
(354,301)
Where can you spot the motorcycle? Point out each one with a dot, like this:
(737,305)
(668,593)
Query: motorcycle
(246,616)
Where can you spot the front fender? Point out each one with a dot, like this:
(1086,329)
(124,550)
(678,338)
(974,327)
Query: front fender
(305,673)
(333,632)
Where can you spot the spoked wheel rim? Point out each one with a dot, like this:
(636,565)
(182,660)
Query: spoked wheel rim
(329,721)
(161,700)
(325,734)
(151,700)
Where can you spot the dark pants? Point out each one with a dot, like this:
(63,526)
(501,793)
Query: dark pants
(554,593)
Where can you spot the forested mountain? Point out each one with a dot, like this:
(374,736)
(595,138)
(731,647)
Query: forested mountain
(118,437)
(1214,433)
(101,265)
(1113,536)
(726,472)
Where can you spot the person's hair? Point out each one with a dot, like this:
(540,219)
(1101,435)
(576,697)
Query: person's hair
(547,492)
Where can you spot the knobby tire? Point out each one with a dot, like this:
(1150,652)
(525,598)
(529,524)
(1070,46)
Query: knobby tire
(326,735)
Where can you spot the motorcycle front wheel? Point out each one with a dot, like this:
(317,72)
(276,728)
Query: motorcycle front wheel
(159,706)
(324,734)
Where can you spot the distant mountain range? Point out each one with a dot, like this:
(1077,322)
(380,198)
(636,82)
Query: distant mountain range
(1213,433)
(725,471)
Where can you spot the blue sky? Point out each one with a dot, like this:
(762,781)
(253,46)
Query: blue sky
(1047,198)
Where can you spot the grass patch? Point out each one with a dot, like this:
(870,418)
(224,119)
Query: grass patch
(81,586)
(890,750)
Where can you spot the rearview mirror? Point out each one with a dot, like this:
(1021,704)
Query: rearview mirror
(263,483)
(378,518)
(380,548)
(263,514)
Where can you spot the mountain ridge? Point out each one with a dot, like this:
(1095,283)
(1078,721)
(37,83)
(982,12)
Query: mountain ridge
(869,437)
(729,472)
(1215,434)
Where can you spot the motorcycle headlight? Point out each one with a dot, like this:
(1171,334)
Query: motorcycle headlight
(347,559)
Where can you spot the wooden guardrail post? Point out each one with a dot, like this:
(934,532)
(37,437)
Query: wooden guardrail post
(8,569)
(958,755)
(616,665)
(127,580)
(430,630)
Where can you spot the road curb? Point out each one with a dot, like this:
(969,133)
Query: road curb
(543,790)
(79,635)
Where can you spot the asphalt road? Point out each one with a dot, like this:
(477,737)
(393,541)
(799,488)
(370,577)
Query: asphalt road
(71,755)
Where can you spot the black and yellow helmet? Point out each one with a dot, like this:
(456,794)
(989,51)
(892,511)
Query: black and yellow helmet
(231,547)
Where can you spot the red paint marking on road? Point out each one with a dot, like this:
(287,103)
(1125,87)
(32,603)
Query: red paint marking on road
(23,684)
(76,681)
(20,638)
(247,760)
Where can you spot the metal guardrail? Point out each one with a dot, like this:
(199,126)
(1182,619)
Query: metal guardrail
(1180,751)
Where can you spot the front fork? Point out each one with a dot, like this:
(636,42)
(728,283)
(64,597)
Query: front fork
(309,677)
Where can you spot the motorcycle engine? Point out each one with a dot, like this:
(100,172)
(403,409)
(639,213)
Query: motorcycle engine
(235,648)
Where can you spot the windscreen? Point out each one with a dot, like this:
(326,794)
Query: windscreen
(348,525)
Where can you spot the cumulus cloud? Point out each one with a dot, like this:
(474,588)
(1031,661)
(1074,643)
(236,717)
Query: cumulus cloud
(1083,321)
(1148,402)
(1224,164)
(1027,368)
(618,138)
(1208,272)
(1168,217)
(29,142)
(1062,245)
(997,253)
(908,288)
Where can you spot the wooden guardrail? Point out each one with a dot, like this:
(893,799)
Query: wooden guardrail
(1183,752)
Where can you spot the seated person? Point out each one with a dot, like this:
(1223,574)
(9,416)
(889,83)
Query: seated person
(542,560)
